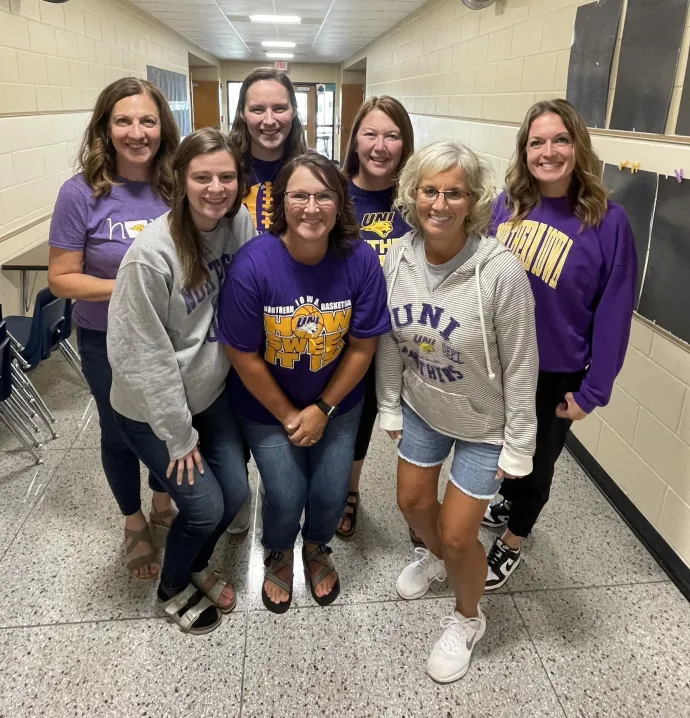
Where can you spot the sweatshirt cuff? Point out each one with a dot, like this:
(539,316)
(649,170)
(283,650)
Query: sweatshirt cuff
(513,463)
(584,404)
(179,448)
(391,420)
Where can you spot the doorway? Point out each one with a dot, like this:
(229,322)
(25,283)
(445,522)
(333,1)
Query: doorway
(206,98)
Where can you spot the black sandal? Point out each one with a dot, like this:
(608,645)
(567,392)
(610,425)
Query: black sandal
(321,554)
(273,563)
(351,515)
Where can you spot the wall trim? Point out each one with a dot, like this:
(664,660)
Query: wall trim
(664,332)
(39,113)
(618,134)
(674,566)
(26,227)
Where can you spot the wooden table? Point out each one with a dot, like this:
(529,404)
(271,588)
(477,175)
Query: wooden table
(32,260)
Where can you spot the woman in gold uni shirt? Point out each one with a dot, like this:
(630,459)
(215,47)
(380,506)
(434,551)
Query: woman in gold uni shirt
(268,133)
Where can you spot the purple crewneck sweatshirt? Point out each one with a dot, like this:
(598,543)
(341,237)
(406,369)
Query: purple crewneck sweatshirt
(583,282)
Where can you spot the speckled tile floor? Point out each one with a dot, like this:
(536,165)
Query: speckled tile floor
(590,627)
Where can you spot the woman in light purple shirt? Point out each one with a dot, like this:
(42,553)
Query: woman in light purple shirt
(124,182)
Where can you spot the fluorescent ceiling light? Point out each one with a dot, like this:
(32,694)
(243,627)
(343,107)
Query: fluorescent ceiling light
(276,19)
(279,55)
(277,43)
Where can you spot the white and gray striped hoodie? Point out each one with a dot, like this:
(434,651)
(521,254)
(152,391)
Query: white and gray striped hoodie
(463,357)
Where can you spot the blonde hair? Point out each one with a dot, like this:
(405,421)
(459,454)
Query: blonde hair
(440,157)
(587,193)
(97,158)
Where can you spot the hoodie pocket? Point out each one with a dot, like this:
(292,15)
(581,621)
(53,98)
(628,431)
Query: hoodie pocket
(451,414)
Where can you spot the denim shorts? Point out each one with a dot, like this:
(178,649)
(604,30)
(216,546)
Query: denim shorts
(474,466)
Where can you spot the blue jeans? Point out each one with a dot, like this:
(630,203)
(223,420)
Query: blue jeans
(209,505)
(120,463)
(313,479)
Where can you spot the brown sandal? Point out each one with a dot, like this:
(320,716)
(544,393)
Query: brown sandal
(162,519)
(351,515)
(132,540)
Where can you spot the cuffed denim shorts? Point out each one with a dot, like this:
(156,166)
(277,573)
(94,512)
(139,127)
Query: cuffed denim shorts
(474,466)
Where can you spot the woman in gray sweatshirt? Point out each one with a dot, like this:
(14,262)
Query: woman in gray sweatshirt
(458,371)
(169,370)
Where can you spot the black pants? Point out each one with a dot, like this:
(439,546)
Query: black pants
(530,494)
(369,411)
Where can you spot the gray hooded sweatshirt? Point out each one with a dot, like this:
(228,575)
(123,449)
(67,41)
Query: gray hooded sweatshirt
(463,357)
(163,343)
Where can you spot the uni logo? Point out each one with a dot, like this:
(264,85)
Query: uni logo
(307,321)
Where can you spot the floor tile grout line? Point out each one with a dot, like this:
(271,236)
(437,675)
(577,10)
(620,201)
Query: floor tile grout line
(94,621)
(589,586)
(244,662)
(37,502)
(539,658)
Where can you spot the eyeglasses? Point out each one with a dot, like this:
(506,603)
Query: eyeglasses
(452,196)
(325,198)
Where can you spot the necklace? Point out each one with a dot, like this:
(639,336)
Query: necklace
(265,182)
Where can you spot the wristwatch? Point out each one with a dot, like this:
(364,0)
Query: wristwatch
(327,409)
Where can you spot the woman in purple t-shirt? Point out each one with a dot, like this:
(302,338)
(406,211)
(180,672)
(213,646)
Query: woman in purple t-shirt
(579,253)
(381,142)
(300,314)
(124,182)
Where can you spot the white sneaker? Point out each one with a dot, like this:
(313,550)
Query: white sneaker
(240,524)
(415,579)
(450,657)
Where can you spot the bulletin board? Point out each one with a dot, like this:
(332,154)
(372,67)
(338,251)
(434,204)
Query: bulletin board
(650,48)
(175,86)
(665,297)
(636,193)
(683,124)
(591,56)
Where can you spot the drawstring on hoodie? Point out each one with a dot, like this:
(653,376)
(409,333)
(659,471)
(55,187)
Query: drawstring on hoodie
(485,341)
(481,321)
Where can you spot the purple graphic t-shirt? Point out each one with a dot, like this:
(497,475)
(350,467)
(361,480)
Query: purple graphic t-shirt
(103,229)
(298,317)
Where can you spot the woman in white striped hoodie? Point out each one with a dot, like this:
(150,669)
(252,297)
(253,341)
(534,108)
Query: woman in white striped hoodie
(458,371)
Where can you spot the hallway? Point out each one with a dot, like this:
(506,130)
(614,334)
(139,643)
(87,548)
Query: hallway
(591,625)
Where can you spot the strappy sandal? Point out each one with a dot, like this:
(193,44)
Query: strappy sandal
(200,578)
(352,503)
(185,609)
(162,519)
(273,563)
(321,554)
(132,540)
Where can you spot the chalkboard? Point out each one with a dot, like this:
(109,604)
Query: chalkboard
(665,295)
(650,48)
(591,55)
(174,85)
(683,125)
(636,193)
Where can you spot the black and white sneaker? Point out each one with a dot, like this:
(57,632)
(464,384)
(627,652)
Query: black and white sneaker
(497,514)
(502,561)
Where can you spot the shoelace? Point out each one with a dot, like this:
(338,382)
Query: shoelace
(455,639)
(497,555)
(427,559)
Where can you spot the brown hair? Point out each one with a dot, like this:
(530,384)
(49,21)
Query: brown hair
(295,143)
(346,228)
(97,157)
(587,193)
(398,114)
(188,241)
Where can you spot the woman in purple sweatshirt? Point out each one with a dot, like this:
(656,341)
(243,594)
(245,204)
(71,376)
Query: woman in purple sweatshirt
(579,253)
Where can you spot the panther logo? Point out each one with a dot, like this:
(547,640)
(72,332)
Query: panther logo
(307,322)
(427,348)
(382,228)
